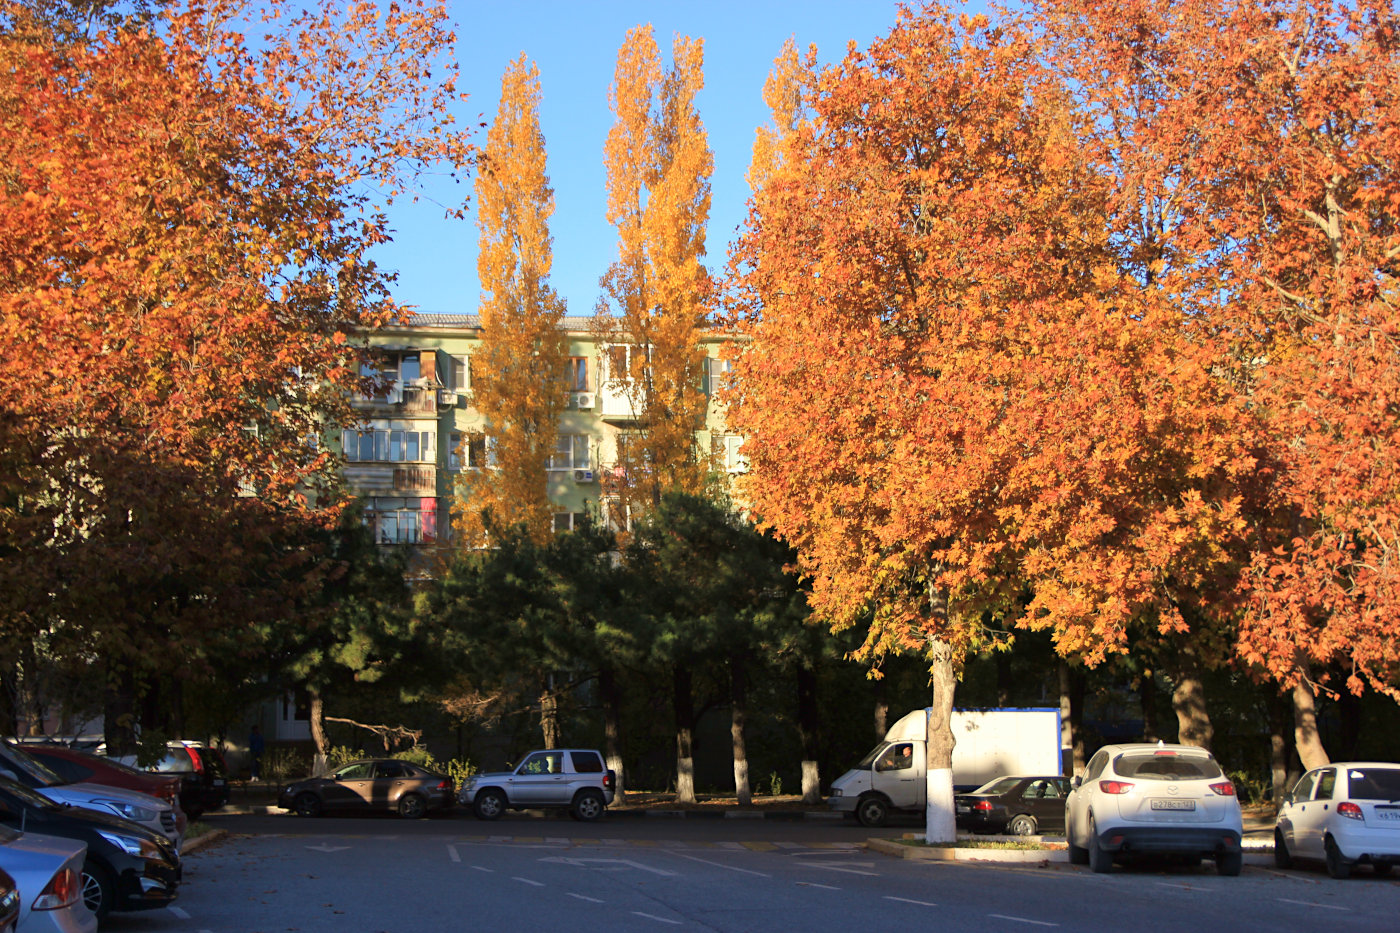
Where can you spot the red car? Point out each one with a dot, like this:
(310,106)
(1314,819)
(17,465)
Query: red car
(74,765)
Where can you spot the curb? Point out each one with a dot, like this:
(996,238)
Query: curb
(955,854)
(202,840)
(630,813)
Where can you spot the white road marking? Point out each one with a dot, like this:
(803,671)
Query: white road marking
(179,913)
(589,862)
(849,871)
(489,871)
(1285,900)
(452,853)
(591,900)
(1168,884)
(655,917)
(705,861)
(326,847)
(905,900)
(813,884)
(1039,923)
(538,884)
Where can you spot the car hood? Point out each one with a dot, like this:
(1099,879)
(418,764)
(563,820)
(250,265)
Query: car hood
(81,794)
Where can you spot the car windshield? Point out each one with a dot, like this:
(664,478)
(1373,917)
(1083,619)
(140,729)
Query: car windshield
(998,786)
(30,797)
(1373,783)
(869,759)
(38,771)
(1157,766)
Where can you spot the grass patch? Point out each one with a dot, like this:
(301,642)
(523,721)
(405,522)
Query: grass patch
(195,829)
(1004,844)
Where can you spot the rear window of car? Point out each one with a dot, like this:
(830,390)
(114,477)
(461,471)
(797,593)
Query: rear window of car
(1373,783)
(998,786)
(587,763)
(70,771)
(1156,767)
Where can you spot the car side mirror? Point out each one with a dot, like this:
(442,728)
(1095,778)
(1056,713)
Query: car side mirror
(1076,781)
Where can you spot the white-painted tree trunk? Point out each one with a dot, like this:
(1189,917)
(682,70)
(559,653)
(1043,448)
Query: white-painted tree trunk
(811,782)
(942,827)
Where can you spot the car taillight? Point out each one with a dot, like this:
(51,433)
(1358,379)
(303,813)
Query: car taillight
(445,785)
(194,759)
(608,780)
(1115,787)
(1349,810)
(61,891)
(1224,788)
(982,805)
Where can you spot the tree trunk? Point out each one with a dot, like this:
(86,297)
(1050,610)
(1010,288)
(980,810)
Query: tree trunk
(1279,749)
(739,708)
(1147,696)
(807,723)
(1189,701)
(318,734)
(882,709)
(549,715)
(610,691)
(1072,715)
(1305,735)
(119,711)
(940,818)
(684,708)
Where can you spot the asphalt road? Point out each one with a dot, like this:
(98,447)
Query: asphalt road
(282,873)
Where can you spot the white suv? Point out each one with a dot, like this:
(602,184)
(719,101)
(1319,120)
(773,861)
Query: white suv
(1344,813)
(1153,799)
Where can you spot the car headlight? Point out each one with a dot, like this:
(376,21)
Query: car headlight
(141,848)
(836,792)
(132,811)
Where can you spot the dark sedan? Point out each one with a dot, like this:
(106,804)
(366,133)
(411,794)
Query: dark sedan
(1019,806)
(403,787)
(128,867)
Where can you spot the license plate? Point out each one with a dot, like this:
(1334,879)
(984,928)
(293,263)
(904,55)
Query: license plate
(1387,813)
(1173,804)
(964,809)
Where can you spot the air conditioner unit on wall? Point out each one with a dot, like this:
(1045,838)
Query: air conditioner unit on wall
(583,400)
(583,476)
(447,397)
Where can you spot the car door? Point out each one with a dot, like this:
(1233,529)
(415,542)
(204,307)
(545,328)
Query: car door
(1299,815)
(1046,803)
(350,788)
(539,779)
(388,784)
(894,774)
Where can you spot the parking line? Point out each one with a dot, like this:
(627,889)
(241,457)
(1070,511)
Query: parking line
(813,884)
(906,900)
(655,917)
(179,913)
(591,900)
(489,871)
(849,871)
(538,884)
(1285,900)
(705,861)
(1039,923)
(452,853)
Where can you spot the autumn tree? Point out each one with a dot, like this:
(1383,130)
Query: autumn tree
(185,230)
(518,372)
(654,306)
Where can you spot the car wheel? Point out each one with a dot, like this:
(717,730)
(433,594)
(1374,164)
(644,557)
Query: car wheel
(1022,824)
(1337,864)
(1100,859)
(872,811)
(99,891)
(1229,863)
(1078,855)
(588,806)
(1381,868)
(490,804)
(412,806)
(307,804)
(1282,857)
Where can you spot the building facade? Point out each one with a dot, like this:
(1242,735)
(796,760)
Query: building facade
(415,441)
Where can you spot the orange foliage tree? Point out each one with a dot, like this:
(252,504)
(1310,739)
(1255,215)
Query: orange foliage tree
(518,374)
(658,164)
(184,228)
(958,404)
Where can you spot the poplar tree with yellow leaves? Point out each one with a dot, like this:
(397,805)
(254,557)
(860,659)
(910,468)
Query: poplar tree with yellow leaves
(654,303)
(518,374)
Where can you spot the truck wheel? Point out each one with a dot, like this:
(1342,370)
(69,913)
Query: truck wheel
(872,811)
(588,805)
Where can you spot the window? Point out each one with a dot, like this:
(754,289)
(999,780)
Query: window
(568,521)
(726,450)
(470,451)
(717,373)
(1326,784)
(587,762)
(402,520)
(617,515)
(570,453)
(461,372)
(577,374)
(622,358)
(389,445)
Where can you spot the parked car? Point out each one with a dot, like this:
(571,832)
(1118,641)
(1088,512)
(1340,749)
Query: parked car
(1345,814)
(201,770)
(1153,799)
(155,814)
(572,778)
(47,870)
(1020,806)
(408,789)
(9,903)
(78,766)
(127,866)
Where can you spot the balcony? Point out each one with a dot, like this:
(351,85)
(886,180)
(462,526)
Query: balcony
(417,480)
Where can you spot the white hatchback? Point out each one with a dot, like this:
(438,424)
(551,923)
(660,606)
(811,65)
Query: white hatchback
(1153,799)
(1345,813)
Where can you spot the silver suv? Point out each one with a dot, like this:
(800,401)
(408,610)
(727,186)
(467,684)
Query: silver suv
(1153,799)
(549,778)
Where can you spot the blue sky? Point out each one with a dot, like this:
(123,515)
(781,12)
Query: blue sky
(574,43)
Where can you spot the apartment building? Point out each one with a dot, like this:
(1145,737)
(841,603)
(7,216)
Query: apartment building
(416,439)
